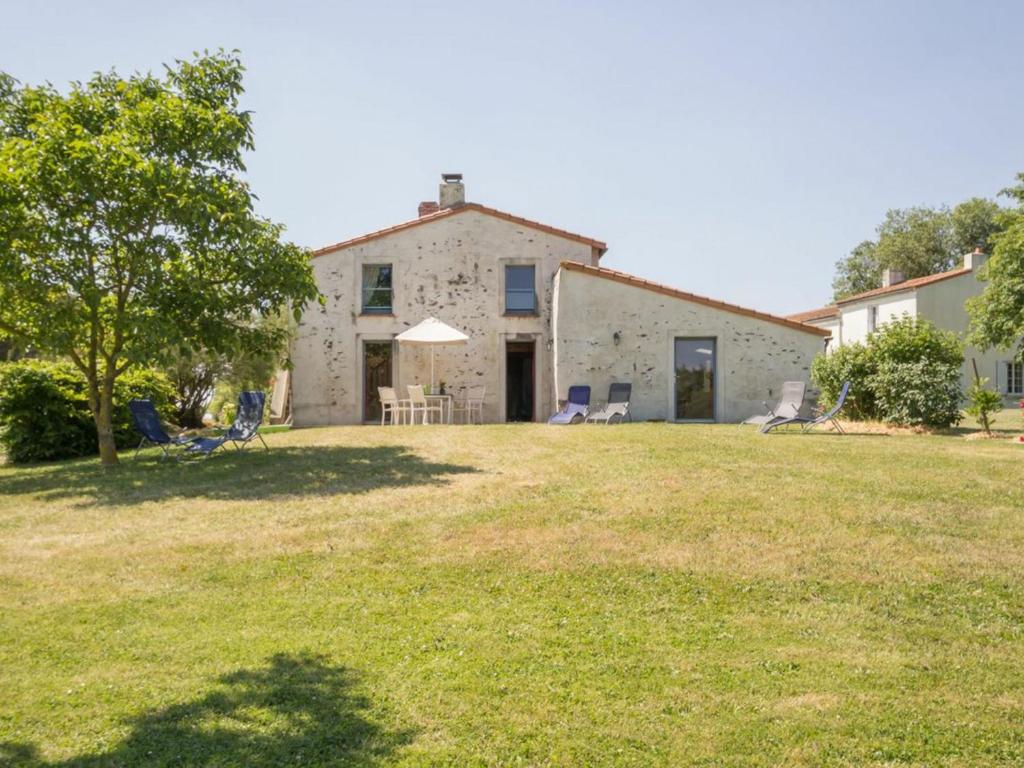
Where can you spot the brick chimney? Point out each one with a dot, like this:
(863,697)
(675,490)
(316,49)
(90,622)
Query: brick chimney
(892,277)
(975,259)
(453,191)
(428,207)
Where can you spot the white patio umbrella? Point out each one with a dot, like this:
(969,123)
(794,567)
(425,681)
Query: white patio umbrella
(432,332)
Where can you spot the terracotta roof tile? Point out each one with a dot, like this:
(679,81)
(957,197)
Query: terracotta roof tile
(448,212)
(916,282)
(639,282)
(814,314)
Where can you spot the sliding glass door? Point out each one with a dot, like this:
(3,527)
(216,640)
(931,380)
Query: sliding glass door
(695,379)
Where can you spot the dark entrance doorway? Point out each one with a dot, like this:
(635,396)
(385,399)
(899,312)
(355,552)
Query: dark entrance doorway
(519,381)
(377,358)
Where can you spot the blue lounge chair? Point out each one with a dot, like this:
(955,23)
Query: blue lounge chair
(147,423)
(821,418)
(246,427)
(575,410)
(248,418)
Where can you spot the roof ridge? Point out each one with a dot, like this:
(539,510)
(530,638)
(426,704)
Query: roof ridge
(913,282)
(447,212)
(640,282)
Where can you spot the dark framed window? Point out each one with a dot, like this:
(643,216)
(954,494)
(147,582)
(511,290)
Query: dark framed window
(520,294)
(377,289)
(695,379)
(1015,378)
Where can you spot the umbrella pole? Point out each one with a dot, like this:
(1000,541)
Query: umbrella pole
(431,369)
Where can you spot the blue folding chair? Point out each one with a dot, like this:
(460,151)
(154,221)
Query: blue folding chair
(248,418)
(575,410)
(147,423)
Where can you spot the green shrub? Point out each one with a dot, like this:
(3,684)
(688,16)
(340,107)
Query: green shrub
(908,373)
(851,362)
(44,412)
(908,340)
(45,415)
(923,393)
(983,404)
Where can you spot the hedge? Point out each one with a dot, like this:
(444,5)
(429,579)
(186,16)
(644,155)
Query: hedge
(45,415)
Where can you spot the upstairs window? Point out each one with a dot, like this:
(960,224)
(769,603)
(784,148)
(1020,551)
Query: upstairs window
(377,289)
(872,318)
(520,296)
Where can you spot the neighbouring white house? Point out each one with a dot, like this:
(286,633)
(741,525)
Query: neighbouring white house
(541,315)
(939,298)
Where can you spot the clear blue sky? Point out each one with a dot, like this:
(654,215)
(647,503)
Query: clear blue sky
(734,149)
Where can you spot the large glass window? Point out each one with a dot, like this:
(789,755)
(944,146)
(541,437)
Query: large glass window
(377,288)
(1015,378)
(695,379)
(520,296)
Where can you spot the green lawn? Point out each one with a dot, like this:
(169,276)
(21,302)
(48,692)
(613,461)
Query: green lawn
(640,595)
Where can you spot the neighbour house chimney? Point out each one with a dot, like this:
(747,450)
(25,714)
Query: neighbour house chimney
(892,277)
(973,261)
(428,207)
(453,191)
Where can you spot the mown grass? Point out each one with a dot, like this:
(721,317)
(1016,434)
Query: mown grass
(640,595)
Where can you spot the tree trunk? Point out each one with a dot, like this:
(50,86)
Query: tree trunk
(102,411)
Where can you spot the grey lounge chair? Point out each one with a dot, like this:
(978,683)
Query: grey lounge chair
(790,403)
(822,418)
(617,407)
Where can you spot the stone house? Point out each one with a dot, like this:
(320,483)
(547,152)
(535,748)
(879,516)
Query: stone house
(541,314)
(939,298)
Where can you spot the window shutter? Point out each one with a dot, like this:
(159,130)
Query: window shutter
(1002,376)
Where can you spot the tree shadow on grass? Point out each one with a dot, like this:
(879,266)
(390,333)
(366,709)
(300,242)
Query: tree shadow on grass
(233,475)
(298,710)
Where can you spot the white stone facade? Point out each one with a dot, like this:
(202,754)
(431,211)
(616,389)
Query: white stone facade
(452,268)
(452,264)
(940,299)
(613,328)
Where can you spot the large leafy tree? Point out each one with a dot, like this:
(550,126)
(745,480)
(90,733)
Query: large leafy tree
(126,230)
(997,315)
(857,272)
(918,242)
